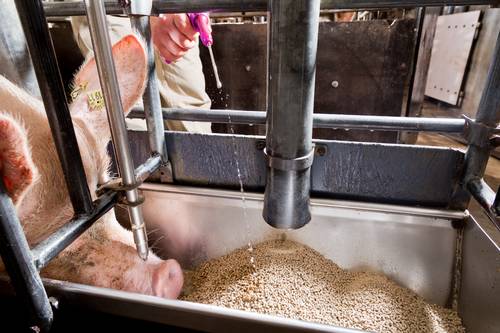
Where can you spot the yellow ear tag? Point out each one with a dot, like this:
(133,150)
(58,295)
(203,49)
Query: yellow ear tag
(78,90)
(95,100)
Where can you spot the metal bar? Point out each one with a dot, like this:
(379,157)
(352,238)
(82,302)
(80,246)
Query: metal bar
(109,83)
(485,196)
(59,240)
(145,170)
(488,115)
(17,259)
(54,98)
(414,62)
(320,120)
(293,41)
(75,8)
(151,96)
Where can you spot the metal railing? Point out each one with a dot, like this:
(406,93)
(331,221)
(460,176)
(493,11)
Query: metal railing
(23,264)
(180,6)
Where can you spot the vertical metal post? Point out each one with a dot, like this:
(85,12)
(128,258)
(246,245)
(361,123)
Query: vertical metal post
(17,258)
(151,96)
(488,115)
(96,16)
(293,40)
(407,108)
(54,98)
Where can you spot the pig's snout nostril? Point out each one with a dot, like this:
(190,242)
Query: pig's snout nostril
(167,279)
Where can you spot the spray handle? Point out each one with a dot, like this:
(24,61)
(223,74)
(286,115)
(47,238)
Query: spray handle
(201,23)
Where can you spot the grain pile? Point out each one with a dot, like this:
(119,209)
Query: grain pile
(291,280)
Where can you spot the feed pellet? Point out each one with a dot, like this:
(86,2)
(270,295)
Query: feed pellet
(291,280)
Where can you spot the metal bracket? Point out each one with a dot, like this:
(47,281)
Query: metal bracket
(123,200)
(296,164)
(116,185)
(478,134)
(138,7)
(166,175)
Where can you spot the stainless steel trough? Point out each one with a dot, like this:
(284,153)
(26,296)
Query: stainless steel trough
(441,255)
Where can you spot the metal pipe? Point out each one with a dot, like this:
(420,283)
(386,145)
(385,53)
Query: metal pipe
(293,41)
(151,96)
(488,115)
(109,84)
(320,120)
(414,61)
(479,150)
(18,262)
(54,98)
(485,196)
(74,8)
(147,168)
(59,240)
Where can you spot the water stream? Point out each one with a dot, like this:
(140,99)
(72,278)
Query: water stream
(242,192)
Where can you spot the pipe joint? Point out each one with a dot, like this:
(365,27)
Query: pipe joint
(296,164)
(479,134)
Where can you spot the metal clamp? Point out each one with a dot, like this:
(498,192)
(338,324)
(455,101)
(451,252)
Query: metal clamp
(296,164)
(123,200)
(115,185)
(477,133)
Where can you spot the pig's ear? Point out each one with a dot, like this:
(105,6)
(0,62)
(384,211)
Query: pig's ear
(16,166)
(131,68)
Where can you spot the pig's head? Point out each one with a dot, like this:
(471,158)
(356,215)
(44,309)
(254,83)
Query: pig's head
(29,164)
(30,170)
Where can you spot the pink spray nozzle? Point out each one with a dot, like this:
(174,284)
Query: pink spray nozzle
(201,23)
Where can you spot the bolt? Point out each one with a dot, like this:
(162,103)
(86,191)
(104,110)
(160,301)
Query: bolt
(335,84)
(321,150)
(260,144)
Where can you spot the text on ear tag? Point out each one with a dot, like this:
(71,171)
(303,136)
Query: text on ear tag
(95,100)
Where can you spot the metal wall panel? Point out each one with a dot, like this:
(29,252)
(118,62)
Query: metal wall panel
(480,286)
(387,173)
(450,55)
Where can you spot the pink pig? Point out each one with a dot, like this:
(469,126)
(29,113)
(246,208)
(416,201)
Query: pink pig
(105,255)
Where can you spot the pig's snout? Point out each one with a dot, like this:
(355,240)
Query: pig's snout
(167,279)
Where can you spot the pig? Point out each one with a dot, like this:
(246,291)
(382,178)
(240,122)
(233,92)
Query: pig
(105,255)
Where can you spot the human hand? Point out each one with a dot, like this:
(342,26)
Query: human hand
(173,35)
